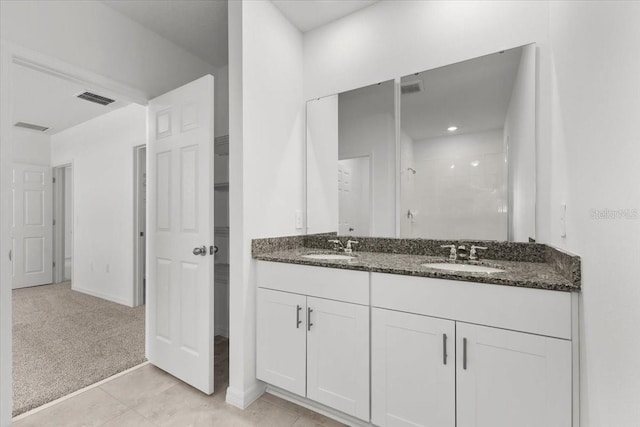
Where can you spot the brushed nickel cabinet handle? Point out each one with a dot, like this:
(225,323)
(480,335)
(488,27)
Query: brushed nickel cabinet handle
(298,321)
(309,324)
(464,353)
(444,349)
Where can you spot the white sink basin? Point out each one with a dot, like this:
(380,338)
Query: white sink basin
(335,257)
(467,268)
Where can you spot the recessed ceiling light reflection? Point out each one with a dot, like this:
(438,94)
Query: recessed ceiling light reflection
(475,163)
(453,166)
(452,128)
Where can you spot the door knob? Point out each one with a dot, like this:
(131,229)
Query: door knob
(202,250)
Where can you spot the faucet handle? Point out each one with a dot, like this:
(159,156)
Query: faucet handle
(337,244)
(349,249)
(473,253)
(453,253)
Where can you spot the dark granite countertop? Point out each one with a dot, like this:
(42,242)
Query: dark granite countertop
(541,274)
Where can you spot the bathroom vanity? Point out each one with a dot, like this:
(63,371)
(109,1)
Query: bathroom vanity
(381,339)
(411,329)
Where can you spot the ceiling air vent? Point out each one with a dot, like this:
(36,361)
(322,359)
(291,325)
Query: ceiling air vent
(31,126)
(411,87)
(92,97)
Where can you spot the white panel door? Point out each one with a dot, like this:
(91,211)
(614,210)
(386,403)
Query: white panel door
(180,294)
(344,200)
(338,355)
(412,370)
(281,340)
(512,378)
(32,225)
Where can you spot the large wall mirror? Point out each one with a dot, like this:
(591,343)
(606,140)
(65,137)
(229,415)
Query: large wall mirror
(447,153)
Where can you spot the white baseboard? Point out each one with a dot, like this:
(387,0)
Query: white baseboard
(317,407)
(101,295)
(242,399)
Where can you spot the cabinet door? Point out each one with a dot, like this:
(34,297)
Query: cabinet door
(338,355)
(412,370)
(512,379)
(281,344)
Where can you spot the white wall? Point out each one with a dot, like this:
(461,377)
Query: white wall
(99,39)
(460,187)
(519,133)
(586,134)
(31,147)
(266,162)
(101,151)
(596,149)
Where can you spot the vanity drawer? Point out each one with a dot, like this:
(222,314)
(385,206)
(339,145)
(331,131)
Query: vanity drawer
(535,311)
(322,282)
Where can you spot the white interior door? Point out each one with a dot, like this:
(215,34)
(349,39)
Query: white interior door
(344,200)
(32,225)
(180,329)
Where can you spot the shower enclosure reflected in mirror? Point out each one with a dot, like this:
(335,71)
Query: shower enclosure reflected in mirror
(467,142)
(457,163)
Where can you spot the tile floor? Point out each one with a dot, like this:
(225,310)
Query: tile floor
(148,397)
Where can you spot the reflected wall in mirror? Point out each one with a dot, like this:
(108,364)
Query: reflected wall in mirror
(351,167)
(467,142)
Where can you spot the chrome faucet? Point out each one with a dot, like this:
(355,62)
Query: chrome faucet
(473,253)
(453,253)
(337,245)
(349,248)
(462,252)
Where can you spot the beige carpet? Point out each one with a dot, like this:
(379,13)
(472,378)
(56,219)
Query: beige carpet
(65,340)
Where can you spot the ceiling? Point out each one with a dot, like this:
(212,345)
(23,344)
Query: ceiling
(198,26)
(46,100)
(473,95)
(309,14)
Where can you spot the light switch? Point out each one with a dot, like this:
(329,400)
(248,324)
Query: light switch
(563,220)
(299,220)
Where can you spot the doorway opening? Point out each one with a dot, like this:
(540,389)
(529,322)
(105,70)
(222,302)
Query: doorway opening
(91,306)
(140,221)
(62,223)
(354,196)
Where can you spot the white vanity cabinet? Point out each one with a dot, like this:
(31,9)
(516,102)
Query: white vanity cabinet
(413,370)
(311,344)
(494,377)
(338,356)
(282,340)
(393,350)
(512,379)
